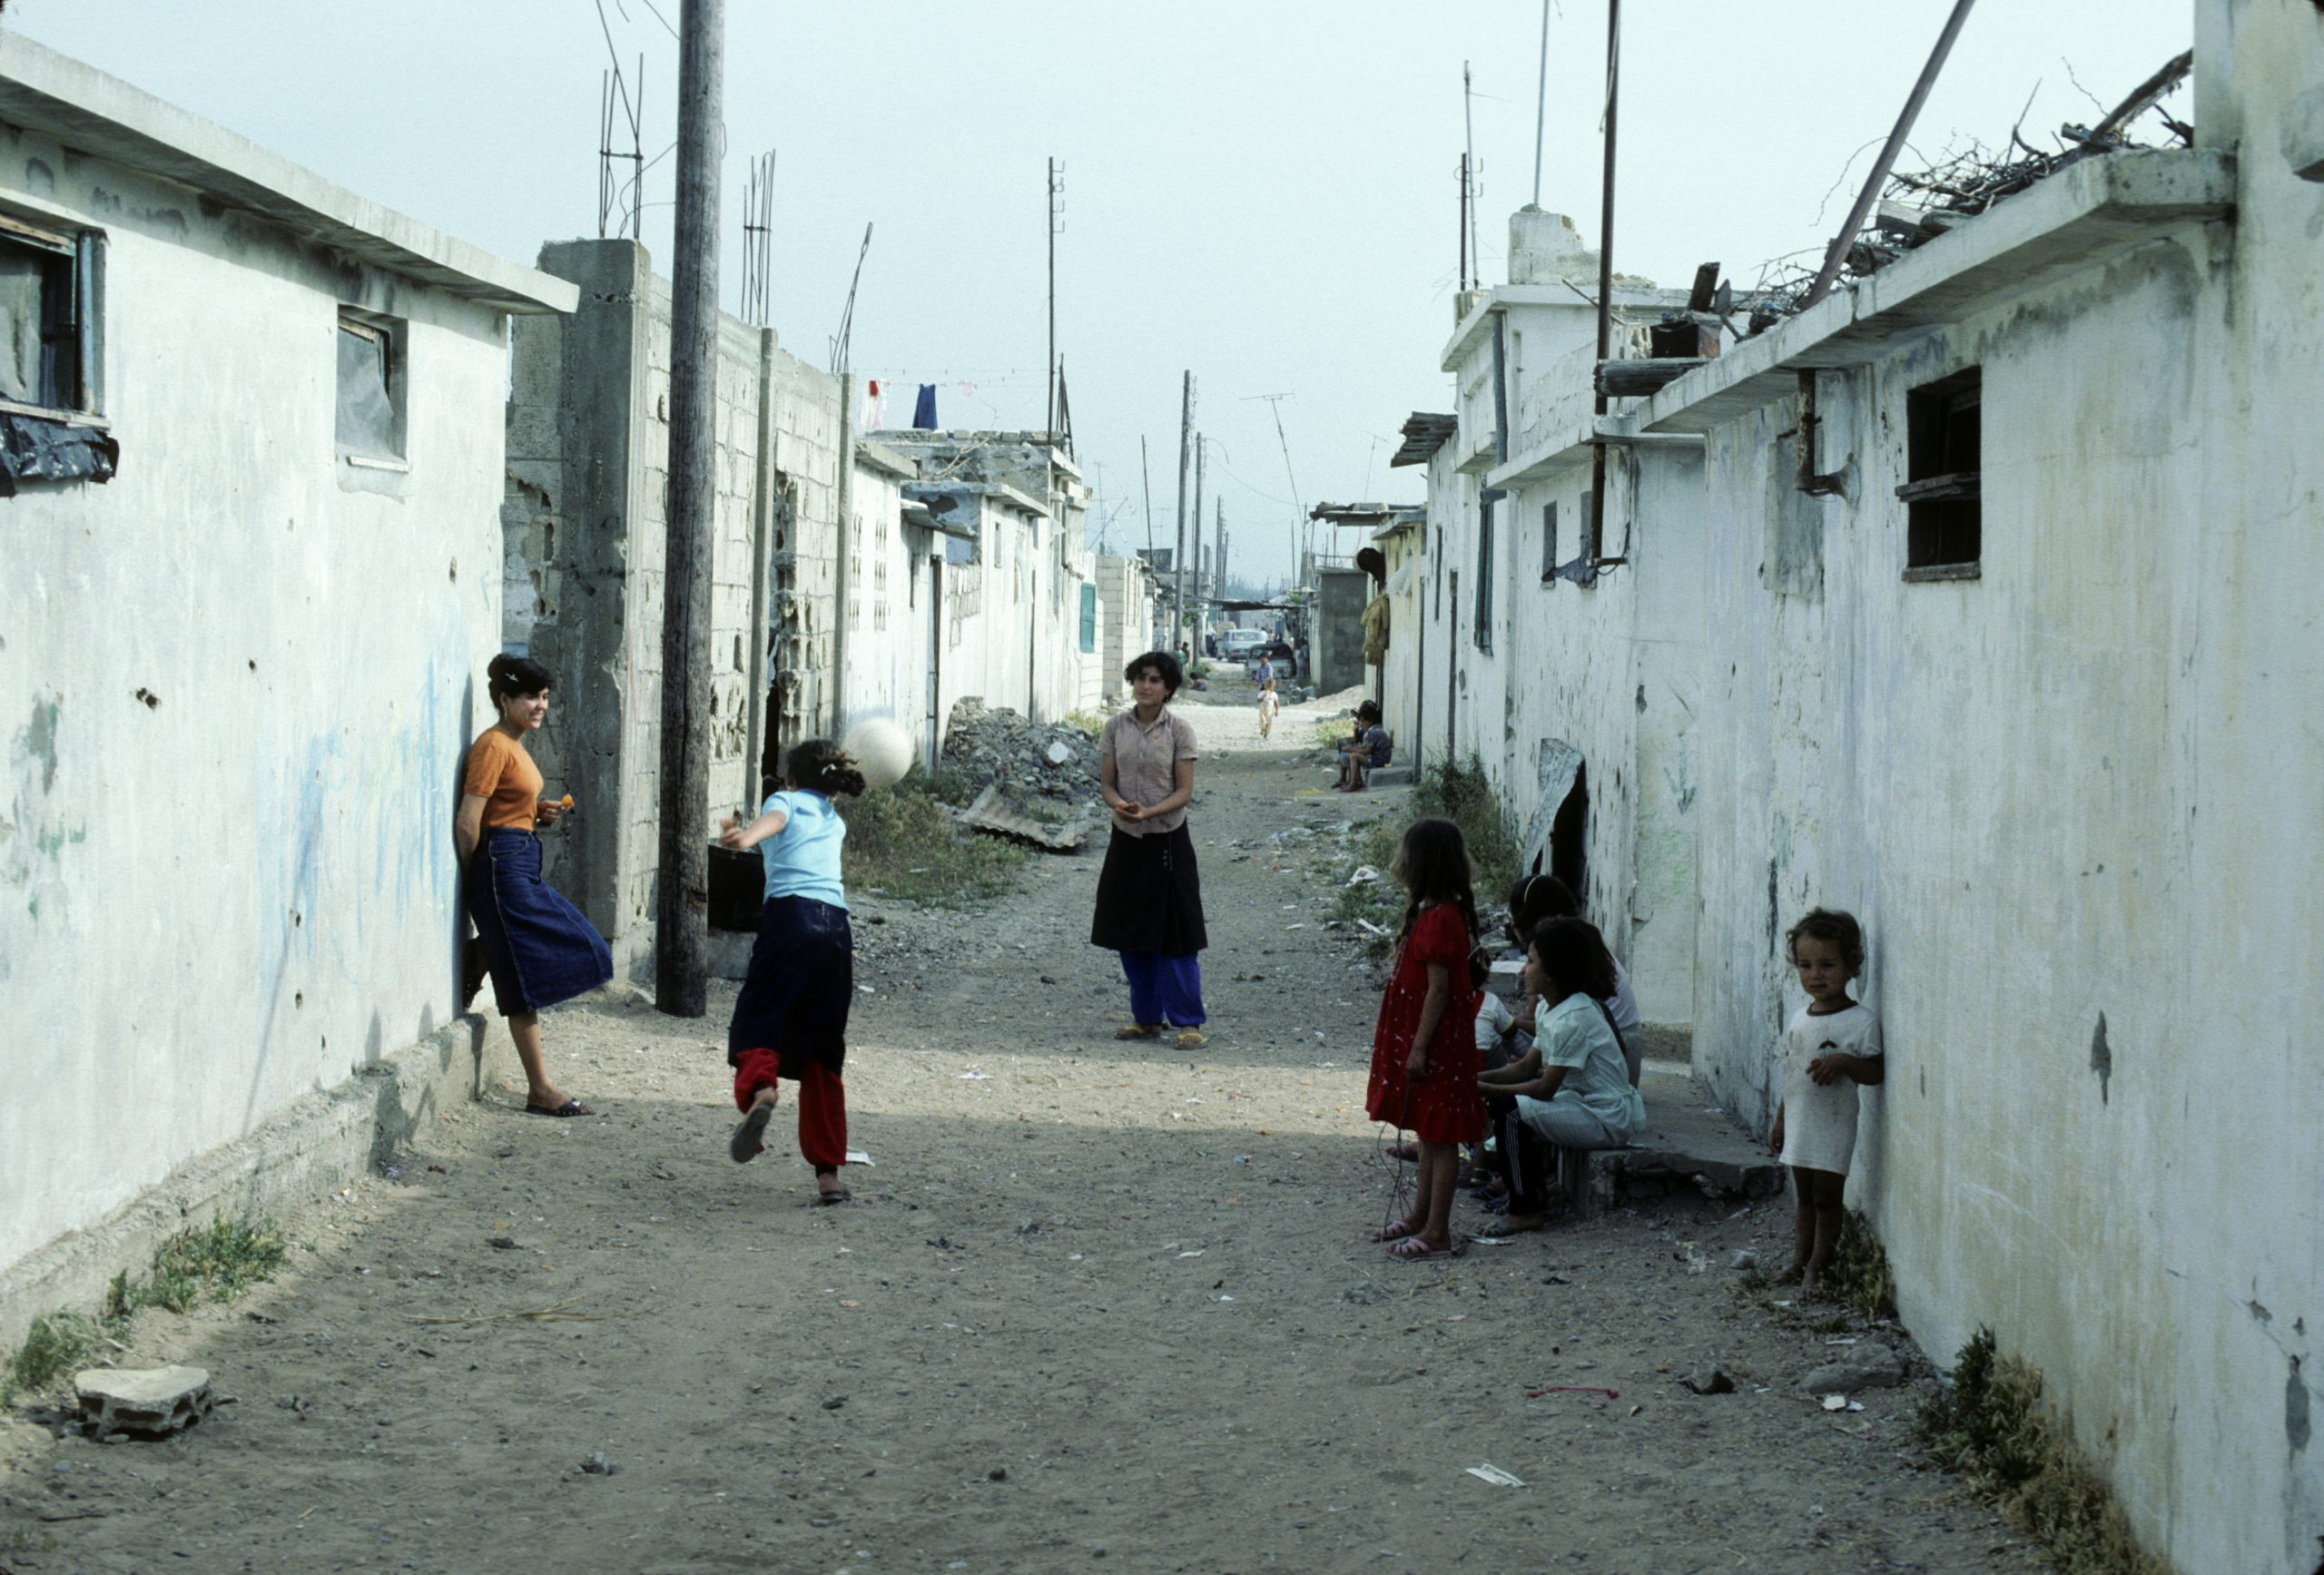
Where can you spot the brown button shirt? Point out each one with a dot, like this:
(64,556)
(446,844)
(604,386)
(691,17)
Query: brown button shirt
(1145,765)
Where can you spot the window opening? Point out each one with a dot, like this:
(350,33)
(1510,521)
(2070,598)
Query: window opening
(370,389)
(1088,618)
(1484,631)
(1943,532)
(1570,837)
(52,359)
(1549,542)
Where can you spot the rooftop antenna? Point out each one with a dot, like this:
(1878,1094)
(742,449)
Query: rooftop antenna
(842,341)
(1050,423)
(614,89)
(758,240)
(1298,511)
(1541,103)
(1469,167)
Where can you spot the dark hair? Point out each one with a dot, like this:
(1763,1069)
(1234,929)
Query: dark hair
(1368,711)
(1431,864)
(822,766)
(1374,562)
(1166,667)
(1827,924)
(1574,956)
(1538,897)
(505,675)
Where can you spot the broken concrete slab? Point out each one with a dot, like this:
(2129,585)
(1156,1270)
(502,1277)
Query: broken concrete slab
(993,815)
(143,1401)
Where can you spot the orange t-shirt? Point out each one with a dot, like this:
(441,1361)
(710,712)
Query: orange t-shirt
(501,774)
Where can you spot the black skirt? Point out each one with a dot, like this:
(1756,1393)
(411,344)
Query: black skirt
(1150,896)
(801,982)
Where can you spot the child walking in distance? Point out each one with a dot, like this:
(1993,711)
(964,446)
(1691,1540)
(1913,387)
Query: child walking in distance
(790,1020)
(1832,1045)
(1268,705)
(1424,1058)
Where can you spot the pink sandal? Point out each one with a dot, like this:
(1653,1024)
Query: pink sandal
(1413,1249)
(1396,1230)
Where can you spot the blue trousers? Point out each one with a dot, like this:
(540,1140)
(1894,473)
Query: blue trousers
(1164,989)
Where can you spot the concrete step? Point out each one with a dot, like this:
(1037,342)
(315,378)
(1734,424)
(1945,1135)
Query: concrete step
(1690,1148)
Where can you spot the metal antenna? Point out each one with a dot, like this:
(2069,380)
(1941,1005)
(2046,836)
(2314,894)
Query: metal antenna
(758,240)
(1298,510)
(842,341)
(1541,104)
(1468,171)
(1056,224)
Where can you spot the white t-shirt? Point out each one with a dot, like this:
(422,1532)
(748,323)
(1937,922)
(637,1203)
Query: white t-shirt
(1819,1121)
(1574,1034)
(1623,1004)
(1494,1018)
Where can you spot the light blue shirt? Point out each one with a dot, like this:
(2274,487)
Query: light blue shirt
(802,859)
(1574,1034)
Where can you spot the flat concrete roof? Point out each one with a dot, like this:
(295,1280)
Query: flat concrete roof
(101,115)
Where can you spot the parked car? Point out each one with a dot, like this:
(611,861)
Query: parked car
(1239,644)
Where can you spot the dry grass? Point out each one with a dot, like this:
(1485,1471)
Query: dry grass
(1989,1426)
(1858,1276)
(903,843)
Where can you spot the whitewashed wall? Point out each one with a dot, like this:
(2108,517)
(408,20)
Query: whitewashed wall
(239,689)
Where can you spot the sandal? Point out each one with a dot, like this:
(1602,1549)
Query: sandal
(570,1108)
(1406,1151)
(1414,1249)
(1501,1230)
(838,1194)
(1396,1230)
(747,1145)
(1191,1040)
(1139,1031)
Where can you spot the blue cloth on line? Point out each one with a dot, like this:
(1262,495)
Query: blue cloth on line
(923,414)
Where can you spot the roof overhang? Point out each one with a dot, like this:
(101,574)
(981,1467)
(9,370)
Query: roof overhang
(1425,431)
(103,116)
(2059,226)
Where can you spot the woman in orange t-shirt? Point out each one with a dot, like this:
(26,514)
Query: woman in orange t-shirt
(538,947)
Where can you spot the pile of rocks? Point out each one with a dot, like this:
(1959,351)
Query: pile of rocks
(987,744)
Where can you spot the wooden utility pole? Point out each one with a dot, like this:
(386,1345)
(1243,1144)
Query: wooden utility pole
(1049,426)
(682,935)
(1178,553)
(1219,553)
(1194,645)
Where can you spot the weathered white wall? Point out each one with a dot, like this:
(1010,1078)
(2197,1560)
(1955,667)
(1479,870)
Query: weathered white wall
(239,695)
(887,667)
(2071,800)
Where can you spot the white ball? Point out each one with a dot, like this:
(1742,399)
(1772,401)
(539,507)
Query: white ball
(880,750)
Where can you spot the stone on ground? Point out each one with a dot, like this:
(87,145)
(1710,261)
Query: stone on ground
(143,1401)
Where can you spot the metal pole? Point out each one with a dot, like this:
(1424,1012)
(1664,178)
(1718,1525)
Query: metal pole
(1468,132)
(1605,274)
(1837,252)
(1145,471)
(1178,553)
(1193,645)
(1050,425)
(682,937)
(1541,104)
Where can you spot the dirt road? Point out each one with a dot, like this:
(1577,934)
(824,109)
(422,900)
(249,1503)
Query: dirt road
(1095,1307)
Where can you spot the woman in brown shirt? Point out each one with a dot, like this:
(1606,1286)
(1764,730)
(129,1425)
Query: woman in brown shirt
(1150,895)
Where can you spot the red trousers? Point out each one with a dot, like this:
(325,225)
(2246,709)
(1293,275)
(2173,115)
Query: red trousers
(823,1104)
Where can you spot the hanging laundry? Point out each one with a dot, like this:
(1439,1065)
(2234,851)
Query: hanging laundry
(875,407)
(924,414)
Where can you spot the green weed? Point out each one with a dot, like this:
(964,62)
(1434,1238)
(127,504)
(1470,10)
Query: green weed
(215,1264)
(1458,791)
(1858,1276)
(53,1346)
(903,843)
(1991,1428)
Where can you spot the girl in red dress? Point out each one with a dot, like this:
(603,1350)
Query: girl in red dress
(1425,1059)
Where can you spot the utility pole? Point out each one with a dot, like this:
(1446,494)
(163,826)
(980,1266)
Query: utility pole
(1597,542)
(1178,553)
(1055,192)
(1145,471)
(1219,553)
(1469,167)
(682,937)
(1194,646)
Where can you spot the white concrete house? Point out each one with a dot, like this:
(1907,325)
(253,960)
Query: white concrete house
(2026,679)
(254,447)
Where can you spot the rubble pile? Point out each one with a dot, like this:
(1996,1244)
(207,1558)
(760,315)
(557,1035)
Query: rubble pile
(987,744)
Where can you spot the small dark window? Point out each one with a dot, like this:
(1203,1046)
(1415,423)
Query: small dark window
(1549,542)
(1485,575)
(370,424)
(48,317)
(1438,614)
(1944,534)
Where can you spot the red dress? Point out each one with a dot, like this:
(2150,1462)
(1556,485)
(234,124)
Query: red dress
(1443,1105)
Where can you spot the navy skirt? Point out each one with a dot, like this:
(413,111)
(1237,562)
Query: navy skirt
(1150,895)
(801,982)
(538,947)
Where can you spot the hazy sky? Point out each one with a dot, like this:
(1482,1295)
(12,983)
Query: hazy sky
(1264,191)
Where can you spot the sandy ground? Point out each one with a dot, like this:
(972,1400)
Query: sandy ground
(1094,1306)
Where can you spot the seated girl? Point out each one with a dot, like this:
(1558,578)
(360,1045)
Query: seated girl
(1573,1090)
